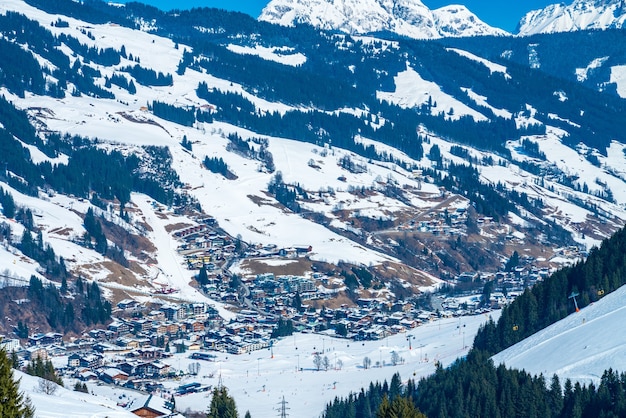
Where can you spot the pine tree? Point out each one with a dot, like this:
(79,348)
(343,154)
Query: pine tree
(400,407)
(202,278)
(222,404)
(13,404)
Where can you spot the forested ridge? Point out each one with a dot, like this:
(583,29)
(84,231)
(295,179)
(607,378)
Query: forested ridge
(548,301)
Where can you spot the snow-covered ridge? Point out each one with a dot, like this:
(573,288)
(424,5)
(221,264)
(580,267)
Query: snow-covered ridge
(579,15)
(405,17)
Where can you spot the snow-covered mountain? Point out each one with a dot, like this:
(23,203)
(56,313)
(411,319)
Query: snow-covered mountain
(405,17)
(579,15)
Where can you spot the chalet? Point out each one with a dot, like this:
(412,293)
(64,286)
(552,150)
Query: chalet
(214,344)
(197,309)
(102,334)
(91,361)
(141,325)
(113,376)
(86,375)
(45,339)
(73,360)
(127,367)
(194,326)
(394,319)
(156,316)
(128,304)
(109,348)
(159,329)
(151,406)
(152,369)
(149,353)
(409,323)
(173,328)
(120,328)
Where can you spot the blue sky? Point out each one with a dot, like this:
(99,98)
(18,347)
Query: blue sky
(503,13)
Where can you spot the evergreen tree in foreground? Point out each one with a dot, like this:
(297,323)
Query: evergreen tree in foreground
(222,404)
(400,407)
(13,404)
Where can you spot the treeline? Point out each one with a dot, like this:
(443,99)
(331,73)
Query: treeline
(340,71)
(548,301)
(286,194)
(18,29)
(494,201)
(93,11)
(474,387)
(149,77)
(89,170)
(186,116)
(54,267)
(122,82)
(103,56)
(218,166)
(95,238)
(559,55)
(312,126)
(43,369)
(69,309)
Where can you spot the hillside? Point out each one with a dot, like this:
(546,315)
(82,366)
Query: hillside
(291,177)
(415,159)
(580,347)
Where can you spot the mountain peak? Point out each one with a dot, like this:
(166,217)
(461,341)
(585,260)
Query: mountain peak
(409,18)
(579,15)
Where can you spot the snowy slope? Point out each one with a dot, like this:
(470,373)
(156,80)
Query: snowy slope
(65,403)
(405,17)
(258,381)
(579,347)
(413,91)
(579,15)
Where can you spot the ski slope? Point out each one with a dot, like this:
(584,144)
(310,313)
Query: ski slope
(579,347)
(259,380)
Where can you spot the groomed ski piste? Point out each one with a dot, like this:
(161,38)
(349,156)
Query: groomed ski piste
(580,347)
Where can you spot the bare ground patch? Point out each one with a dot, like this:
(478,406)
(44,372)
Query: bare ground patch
(177,226)
(62,231)
(389,270)
(291,266)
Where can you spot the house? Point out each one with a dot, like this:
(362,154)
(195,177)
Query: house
(151,407)
(34,353)
(113,376)
(128,304)
(141,325)
(198,309)
(10,345)
(45,339)
(91,361)
(152,369)
(86,375)
(174,312)
(73,360)
(120,328)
